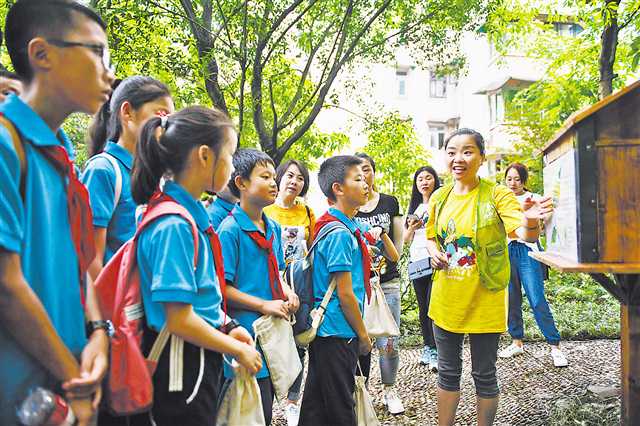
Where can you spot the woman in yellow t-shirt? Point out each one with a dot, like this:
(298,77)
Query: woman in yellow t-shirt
(461,303)
(297,222)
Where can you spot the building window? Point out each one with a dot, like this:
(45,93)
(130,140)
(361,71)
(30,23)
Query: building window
(436,136)
(437,86)
(567,29)
(401,78)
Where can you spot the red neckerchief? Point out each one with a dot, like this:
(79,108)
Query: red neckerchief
(366,260)
(274,274)
(216,248)
(80,217)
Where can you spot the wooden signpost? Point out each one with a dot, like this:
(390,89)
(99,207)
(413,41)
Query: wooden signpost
(592,171)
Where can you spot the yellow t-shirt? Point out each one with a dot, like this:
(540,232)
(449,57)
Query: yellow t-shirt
(297,228)
(459,302)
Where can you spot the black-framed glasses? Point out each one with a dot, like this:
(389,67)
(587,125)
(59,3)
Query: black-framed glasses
(99,49)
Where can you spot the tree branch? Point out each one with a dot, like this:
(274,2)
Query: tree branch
(274,127)
(286,30)
(629,18)
(299,132)
(303,79)
(204,44)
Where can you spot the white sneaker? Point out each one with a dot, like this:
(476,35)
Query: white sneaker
(392,401)
(511,351)
(559,359)
(292,413)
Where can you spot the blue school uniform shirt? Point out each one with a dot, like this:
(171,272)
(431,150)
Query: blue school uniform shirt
(100,179)
(246,268)
(338,252)
(165,253)
(218,210)
(37,228)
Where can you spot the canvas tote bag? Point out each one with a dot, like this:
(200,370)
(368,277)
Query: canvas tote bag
(378,318)
(241,404)
(365,413)
(275,337)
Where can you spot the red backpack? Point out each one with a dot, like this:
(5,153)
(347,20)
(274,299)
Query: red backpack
(129,388)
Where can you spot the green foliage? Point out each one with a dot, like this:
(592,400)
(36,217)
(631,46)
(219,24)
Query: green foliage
(572,74)
(76,129)
(393,143)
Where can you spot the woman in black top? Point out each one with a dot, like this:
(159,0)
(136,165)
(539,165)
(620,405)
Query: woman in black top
(425,182)
(382,214)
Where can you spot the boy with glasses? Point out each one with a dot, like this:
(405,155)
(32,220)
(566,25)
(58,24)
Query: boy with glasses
(59,50)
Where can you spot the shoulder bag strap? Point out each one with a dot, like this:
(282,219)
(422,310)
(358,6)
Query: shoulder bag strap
(118,184)
(18,146)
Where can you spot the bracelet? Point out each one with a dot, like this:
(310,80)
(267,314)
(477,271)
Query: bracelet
(226,328)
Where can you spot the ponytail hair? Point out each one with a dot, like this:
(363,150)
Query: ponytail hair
(166,142)
(137,90)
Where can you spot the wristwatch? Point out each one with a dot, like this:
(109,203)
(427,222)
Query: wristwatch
(105,325)
(226,328)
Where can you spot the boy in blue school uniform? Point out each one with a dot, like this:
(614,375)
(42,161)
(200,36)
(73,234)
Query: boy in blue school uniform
(59,50)
(253,256)
(221,207)
(341,255)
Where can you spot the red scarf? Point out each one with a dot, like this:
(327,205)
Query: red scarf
(216,248)
(80,218)
(274,274)
(366,259)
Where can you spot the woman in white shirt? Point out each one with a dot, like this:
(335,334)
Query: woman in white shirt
(527,273)
(425,181)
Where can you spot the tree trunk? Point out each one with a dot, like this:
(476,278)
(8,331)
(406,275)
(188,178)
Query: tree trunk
(608,47)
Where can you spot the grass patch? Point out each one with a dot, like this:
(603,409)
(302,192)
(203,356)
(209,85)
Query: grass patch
(586,410)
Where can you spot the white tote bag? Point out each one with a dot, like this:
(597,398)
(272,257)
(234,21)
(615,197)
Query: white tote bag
(378,318)
(241,404)
(275,337)
(365,413)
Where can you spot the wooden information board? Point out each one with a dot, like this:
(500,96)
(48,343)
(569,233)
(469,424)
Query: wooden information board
(592,172)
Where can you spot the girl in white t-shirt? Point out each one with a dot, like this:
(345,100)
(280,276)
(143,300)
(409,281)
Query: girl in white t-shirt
(425,181)
(527,274)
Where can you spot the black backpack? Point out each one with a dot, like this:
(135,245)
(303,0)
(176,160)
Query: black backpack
(299,276)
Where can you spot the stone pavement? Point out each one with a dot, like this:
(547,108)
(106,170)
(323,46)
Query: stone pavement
(530,384)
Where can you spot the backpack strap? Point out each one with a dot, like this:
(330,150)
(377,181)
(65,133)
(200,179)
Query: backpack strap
(176,361)
(326,230)
(118,184)
(18,145)
(170,207)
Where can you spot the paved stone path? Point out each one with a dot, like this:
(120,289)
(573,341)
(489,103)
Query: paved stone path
(530,384)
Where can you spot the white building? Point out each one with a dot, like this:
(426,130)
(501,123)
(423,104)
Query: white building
(440,104)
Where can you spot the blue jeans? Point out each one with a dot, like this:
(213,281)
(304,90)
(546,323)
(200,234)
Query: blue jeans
(526,273)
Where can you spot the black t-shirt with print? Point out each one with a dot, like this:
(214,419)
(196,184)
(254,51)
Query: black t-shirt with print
(382,216)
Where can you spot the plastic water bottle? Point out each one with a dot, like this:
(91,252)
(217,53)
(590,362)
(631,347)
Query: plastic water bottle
(44,408)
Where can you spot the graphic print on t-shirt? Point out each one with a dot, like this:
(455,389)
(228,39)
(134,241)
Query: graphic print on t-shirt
(459,250)
(293,243)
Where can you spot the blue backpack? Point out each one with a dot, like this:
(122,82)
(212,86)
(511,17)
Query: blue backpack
(299,276)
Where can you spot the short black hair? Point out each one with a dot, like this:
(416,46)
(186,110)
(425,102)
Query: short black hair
(477,138)
(28,19)
(334,170)
(244,161)
(282,169)
(367,157)
(8,74)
